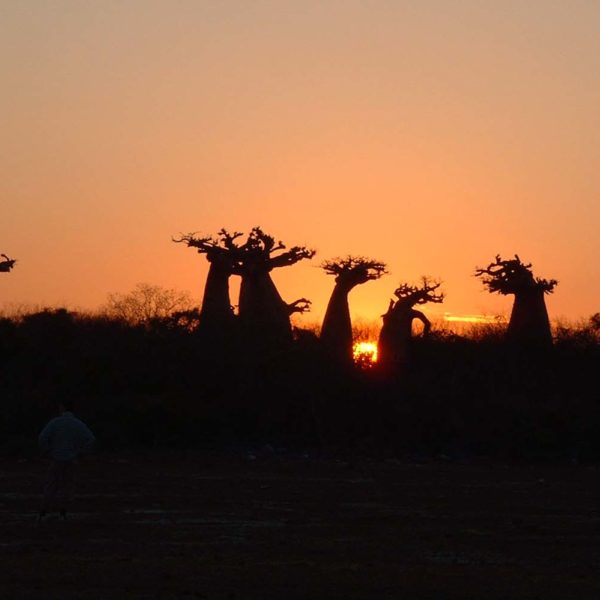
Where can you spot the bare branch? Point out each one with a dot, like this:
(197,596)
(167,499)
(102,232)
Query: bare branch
(259,240)
(204,243)
(261,248)
(7,264)
(417,314)
(292,256)
(299,306)
(228,239)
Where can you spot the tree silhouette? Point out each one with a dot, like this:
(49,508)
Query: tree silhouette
(529,323)
(7,264)
(350,271)
(224,256)
(263,312)
(147,302)
(394,345)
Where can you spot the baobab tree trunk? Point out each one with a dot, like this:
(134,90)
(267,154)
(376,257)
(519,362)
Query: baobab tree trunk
(529,323)
(223,255)
(336,332)
(349,271)
(264,315)
(263,312)
(395,340)
(216,310)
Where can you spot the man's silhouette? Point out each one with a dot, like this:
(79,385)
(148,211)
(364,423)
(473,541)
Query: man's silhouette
(63,439)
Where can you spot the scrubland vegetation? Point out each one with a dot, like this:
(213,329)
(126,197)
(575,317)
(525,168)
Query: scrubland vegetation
(161,382)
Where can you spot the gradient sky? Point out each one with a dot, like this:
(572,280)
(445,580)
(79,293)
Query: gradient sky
(431,135)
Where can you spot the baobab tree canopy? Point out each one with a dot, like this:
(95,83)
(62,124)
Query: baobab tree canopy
(410,295)
(529,323)
(350,271)
(221,249)
(355,269)
(7,264)
(261,249)
(512,276)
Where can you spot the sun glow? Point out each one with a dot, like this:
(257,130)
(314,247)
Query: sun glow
(365,352)
(471,318)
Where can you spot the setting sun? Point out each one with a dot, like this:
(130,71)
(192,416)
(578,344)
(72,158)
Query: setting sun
(365,352)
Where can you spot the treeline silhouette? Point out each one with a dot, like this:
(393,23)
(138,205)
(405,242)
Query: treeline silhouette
(164,382)
(152,370)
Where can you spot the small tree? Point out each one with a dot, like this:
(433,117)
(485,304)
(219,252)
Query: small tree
(147,302)
(396,333)
(529,323)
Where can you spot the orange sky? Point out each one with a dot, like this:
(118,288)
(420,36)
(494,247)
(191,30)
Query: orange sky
(431,135)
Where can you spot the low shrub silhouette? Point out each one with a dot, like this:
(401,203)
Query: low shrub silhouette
(163,383)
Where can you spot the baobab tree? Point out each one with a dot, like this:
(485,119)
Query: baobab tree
(529,323)
(7,264)
(336,331)
(262,310)
(393,348)
(224,256)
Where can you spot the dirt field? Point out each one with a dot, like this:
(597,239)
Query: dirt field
(191,526)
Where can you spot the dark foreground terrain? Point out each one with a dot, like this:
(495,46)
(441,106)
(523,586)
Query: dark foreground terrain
(192,526)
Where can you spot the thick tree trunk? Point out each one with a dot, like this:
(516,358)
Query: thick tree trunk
(263,313)
(216,309)
(336,332)
(529,323)
(395,339)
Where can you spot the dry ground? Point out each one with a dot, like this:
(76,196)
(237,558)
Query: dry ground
(193,526)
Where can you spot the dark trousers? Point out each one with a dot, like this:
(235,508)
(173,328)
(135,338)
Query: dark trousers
(60,482)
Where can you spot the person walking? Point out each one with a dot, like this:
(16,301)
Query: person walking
(62,440)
